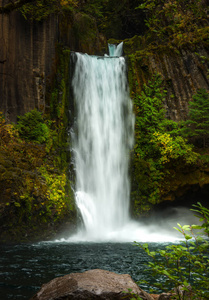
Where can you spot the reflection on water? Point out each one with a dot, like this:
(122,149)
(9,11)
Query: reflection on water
(24,268)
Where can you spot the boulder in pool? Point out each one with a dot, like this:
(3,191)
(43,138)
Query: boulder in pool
(94,284)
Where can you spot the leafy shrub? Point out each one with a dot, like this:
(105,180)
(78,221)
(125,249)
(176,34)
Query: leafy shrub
(173,148)
(150,113)
(158,144)
(185,264)
(31,127)
(56,195)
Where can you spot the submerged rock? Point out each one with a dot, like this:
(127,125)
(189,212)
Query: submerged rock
(93,284)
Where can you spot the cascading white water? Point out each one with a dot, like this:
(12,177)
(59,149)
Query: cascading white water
(104,137)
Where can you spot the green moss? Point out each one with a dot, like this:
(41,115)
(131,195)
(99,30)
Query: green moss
(58,98)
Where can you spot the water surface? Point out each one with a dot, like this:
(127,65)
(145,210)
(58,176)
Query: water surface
(24,268)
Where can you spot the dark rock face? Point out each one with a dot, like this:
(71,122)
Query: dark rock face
(183,74)
(27,49)
(28,56)
(93,284)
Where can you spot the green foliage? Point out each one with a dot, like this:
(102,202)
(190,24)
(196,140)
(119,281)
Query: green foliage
(185,264)
(57,199)
(94,8)
(204,212)
(39,10)
(170,20)
(149,110)
(197,125)
(36,192)
(31,127)
(158,144)
(173,148)
(157,137)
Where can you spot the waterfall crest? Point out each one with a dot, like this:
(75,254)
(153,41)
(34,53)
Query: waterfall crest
(104,128)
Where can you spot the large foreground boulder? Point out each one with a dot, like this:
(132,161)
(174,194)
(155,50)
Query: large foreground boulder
(93,284)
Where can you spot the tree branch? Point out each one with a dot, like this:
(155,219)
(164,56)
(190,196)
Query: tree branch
(6,9)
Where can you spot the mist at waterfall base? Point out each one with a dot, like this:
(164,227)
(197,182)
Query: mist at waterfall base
(103,136)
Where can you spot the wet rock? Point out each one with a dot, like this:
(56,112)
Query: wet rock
(165,296)
(93,284)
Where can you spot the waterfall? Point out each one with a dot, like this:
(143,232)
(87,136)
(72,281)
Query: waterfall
(102,142)
(102,138)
